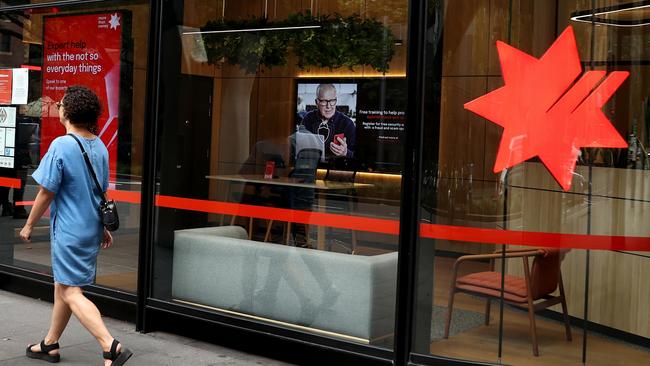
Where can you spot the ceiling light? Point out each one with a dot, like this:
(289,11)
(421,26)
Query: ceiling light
(252,30)
(612,15)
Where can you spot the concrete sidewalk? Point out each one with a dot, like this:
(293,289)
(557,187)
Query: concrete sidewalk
(24,320)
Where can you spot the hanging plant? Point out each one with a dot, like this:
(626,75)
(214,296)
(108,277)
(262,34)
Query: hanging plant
(338,42)
(344,42)
(246,49)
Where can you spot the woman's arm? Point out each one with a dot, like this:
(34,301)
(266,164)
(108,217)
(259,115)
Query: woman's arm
(42,202)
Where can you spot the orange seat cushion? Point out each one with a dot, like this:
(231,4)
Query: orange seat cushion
(489,284)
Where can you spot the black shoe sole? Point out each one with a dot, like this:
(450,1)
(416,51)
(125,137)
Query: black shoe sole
(121,359)
(42,356)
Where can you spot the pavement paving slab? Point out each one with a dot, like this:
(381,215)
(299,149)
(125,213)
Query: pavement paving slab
(24,320)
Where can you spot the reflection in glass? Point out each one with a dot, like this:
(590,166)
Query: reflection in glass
(279,173)
(460,189)
(35,119)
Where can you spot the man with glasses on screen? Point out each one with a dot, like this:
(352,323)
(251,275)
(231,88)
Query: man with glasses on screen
(336,130)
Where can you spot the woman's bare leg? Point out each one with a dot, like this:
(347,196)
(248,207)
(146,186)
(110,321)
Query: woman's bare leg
(60,316)
(88,316)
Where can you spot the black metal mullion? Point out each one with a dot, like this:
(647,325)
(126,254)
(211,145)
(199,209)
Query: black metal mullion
(149,165)
(585,321)
(411,178)
(505,225)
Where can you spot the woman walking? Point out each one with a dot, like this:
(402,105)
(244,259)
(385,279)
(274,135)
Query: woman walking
(76,231)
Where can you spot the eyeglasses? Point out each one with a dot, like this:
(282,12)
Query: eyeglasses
(326,102)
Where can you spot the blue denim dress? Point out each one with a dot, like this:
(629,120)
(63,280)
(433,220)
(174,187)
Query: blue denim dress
(75,228)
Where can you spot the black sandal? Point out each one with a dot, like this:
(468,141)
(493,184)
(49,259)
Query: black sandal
(44,353)
(120,358)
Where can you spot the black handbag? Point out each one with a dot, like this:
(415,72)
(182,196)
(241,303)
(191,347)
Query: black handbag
(107,208)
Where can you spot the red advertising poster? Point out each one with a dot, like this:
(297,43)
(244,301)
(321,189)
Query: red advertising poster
(6,77)
(83,50)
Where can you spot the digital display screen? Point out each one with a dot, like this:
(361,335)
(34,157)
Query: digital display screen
(361,120)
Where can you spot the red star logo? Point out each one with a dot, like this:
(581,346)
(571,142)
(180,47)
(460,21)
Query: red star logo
(544,113)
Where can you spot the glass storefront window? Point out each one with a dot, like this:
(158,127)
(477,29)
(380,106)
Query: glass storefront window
(43,51)
(279,174)
(278,166)
(582,247)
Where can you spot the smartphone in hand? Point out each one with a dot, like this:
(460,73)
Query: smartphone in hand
(336,138)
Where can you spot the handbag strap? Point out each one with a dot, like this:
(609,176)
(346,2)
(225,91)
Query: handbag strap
(90,167)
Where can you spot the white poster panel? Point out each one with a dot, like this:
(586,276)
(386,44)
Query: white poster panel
(7,136)
(8,117)
(6,162)
(20,86)
(10,139)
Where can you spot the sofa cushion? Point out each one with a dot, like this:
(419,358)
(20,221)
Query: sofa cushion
(335,292)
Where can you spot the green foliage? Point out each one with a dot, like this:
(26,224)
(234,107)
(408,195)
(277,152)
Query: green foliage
(246,49)
(339,42)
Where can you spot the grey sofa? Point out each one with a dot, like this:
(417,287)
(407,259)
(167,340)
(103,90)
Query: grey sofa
(345,294)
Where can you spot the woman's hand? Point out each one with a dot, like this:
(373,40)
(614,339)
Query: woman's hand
(108,239)
(26,233)
(41,203)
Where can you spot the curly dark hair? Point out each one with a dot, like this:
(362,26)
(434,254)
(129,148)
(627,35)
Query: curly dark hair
(82,107)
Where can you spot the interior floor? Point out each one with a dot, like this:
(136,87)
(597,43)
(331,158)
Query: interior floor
(481,342)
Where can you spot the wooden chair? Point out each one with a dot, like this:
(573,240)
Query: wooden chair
(532,292)
(300,198)
(262,152)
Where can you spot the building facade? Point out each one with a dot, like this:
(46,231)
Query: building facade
(420,182)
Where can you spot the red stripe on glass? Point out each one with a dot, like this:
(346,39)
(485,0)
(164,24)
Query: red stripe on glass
(10,182)
(535,239)
(31,67)
(24,203)
(125,196)
(388,226)
(359,223)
